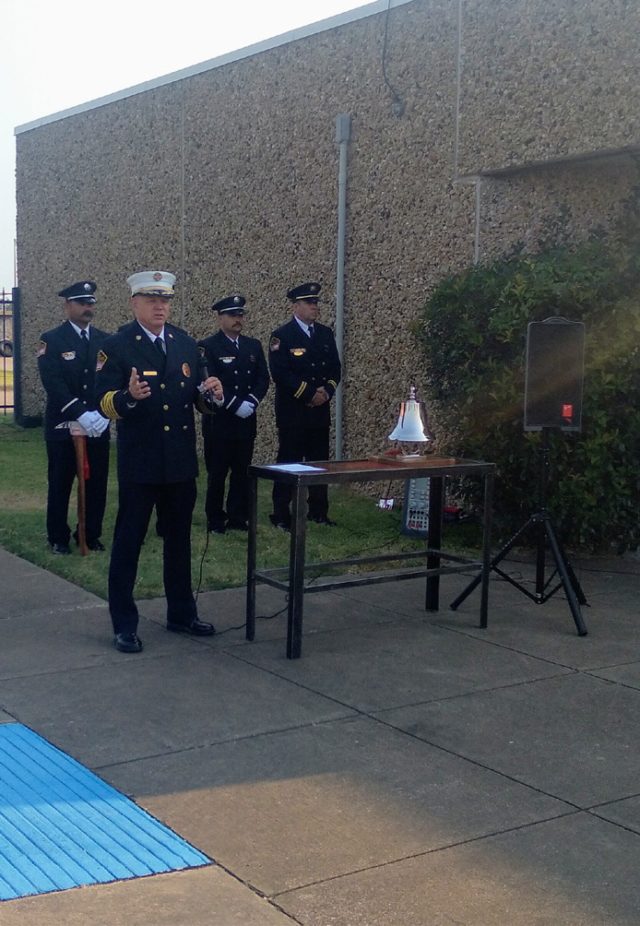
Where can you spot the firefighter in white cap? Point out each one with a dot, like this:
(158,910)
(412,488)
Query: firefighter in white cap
(148,380)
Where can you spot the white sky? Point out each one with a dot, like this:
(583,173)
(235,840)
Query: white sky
(60,53)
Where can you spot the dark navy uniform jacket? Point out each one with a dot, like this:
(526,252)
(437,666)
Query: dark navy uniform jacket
(244,377)
(299,365)
(156,437)
(67,368)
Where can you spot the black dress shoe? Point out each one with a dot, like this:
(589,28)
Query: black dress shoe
(195,628)
(96,546)
(128,642)
(322,520)
(279,524)
(237,526)
(217,529)
(61,549)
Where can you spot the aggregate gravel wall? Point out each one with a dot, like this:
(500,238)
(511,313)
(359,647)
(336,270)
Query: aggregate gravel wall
(520,121)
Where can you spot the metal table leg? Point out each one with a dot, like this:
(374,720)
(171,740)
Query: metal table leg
(251,558)
(296,571)
(434,540)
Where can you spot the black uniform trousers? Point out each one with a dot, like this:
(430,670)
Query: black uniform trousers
(221,457)
(136,502)
(295,446)
(61,472)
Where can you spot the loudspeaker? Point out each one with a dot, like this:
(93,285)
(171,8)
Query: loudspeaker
(554,375)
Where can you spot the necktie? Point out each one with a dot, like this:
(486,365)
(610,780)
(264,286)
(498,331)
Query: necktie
(311,332)
(161,348)
(84,350)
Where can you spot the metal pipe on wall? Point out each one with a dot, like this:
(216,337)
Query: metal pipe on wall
(343,133)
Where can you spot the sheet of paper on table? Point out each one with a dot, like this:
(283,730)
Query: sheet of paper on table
(297,468)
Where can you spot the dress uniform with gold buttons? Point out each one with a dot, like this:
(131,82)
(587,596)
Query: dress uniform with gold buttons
(229,434)
(157,460)
(156,437)
(67,363)
(305,367)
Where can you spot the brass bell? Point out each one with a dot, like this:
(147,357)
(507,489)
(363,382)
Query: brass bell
(411,425)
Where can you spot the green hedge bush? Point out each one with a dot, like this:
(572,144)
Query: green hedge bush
(474,337)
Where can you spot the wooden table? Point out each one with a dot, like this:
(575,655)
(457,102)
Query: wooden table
(291,578)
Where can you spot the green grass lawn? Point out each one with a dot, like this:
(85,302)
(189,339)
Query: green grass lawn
(362,529)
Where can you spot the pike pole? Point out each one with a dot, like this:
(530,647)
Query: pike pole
(78,435)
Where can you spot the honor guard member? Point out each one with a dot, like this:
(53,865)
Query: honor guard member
(229,434)
(305,367)
(67,363)
(148,381)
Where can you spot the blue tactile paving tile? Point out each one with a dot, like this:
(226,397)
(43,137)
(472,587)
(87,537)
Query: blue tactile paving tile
(61,826)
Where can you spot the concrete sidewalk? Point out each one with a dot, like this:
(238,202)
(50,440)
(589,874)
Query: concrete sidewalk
(409,770)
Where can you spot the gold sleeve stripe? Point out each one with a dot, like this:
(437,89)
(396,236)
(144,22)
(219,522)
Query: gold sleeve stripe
(107,407)
(65,407)
(251,396)
(332,383)
(302,388)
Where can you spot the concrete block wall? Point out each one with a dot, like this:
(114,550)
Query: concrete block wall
(515,112)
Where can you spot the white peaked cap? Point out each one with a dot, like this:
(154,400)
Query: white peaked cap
(151,283)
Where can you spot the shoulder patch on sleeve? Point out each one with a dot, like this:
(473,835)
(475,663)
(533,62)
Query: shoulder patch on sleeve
(42,349)
(274,344)
(101,359)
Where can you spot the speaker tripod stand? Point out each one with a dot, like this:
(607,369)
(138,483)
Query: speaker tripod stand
(540,522)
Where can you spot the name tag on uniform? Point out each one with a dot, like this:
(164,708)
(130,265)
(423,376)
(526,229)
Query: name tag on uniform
(149,372)
(298,351)
(227,359)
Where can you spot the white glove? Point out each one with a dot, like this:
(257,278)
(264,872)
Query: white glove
(86,420)
(100,425)
(246,409)
(93,423)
